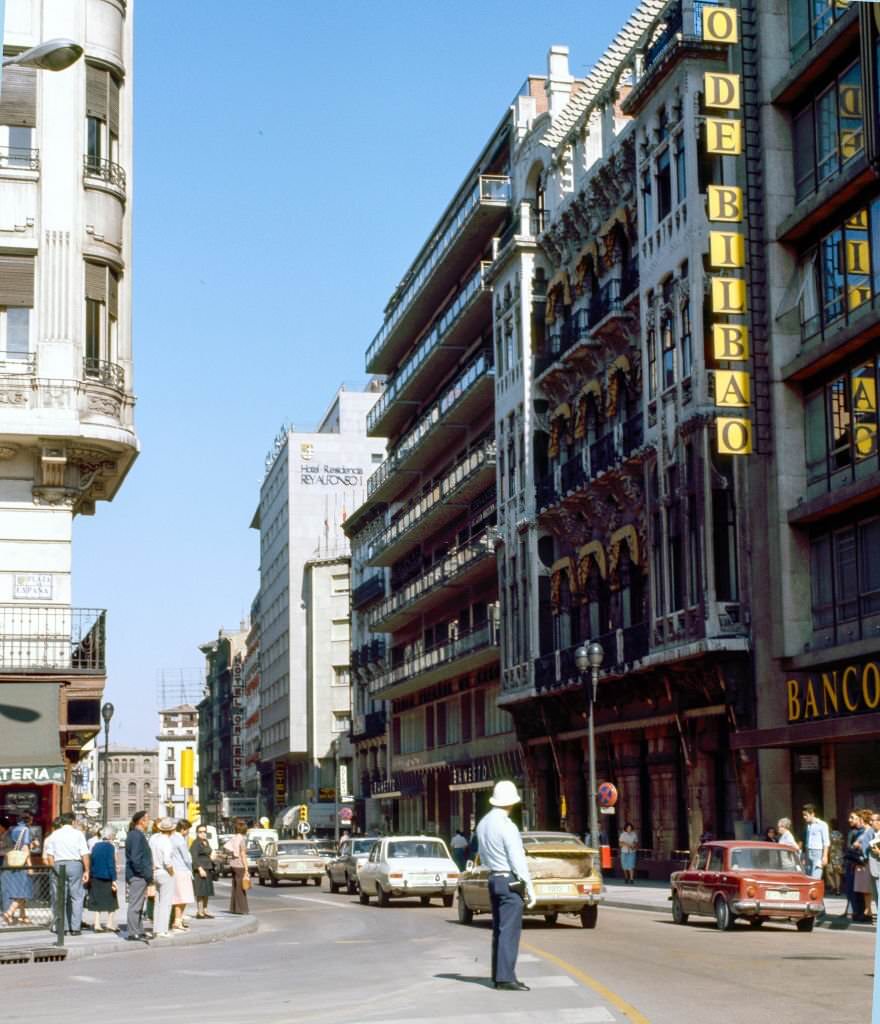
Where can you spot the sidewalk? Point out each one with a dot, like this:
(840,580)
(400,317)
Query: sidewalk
(654,896)
(42,942)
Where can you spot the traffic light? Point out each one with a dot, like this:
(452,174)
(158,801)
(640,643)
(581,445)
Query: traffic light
(303,812)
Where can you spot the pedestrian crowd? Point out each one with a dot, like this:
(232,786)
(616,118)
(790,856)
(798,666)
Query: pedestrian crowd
(165,872)
(849,864)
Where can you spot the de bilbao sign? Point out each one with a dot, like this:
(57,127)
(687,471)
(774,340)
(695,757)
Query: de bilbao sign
(835,692)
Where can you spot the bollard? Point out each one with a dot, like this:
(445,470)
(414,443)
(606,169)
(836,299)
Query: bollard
(60,905)
(606,857)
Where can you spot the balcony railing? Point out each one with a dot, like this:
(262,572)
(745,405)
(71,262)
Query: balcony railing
(494,189)
(17,362)
(370,590)
(111,374)
(439,656)
(671,30)
(479,369)
(633,434)
(16,157)
(52,638)
(621,647)
(365,727)
(105,170)
(442,493)
(429,344)
(602,455)
(455,564)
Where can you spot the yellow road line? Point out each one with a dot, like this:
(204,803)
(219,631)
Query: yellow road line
(616,1001)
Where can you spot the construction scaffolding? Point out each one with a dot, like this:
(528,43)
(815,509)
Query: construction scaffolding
(176,686)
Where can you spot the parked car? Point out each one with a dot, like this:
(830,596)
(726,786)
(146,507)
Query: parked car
(290,859)
(342,870)
(757,881)
(253,851)
(262,836)
(408,866)
(564,870)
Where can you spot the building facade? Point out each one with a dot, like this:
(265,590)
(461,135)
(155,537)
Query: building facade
(67,436)
(313,482)
(220,730)
(250,779)
(818,659)
(428,732)
(132,781)
(178,732)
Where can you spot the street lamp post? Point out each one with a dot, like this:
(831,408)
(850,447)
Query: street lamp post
(106,713)
(53,55)
(591,657)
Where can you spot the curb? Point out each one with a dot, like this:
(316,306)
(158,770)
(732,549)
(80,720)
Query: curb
(234,929)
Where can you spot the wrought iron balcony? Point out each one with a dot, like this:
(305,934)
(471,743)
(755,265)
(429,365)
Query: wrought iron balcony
(52,638)
(15,157)
(17,362)
(565,335)
(110,374)
(463,653)
(448,336)
(458,568)
(458,241)
(671,31)
(622,648)
(547,494)
(443,502)
(370,590)
(633,434)
(469,393)
(365,727)
(104,170)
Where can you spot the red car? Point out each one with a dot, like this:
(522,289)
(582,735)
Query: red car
(756,881)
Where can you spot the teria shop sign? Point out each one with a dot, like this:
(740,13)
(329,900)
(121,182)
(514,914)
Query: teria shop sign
(727,245)
(848,689)
(38,776)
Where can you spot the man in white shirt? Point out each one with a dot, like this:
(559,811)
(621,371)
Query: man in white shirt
(66,847)
(817,843)
(501,851)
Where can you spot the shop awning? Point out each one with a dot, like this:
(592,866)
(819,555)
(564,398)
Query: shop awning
(829,730)
(30,750)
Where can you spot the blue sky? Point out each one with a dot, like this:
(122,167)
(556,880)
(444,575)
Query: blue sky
(290,159)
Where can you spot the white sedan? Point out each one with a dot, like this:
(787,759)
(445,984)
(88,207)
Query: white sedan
(408,866)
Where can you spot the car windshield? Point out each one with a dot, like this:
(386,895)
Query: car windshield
(757,858)
(416,848)
(551,838)
(254,850)
(296,850)
(362,845)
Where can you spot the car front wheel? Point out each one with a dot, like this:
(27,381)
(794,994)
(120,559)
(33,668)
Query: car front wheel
(465,914)
(261,880)
(363,897)
(678,915)
(334,886)
(590,916)
(806,924)
(447,899)
(351,886)
(723,916)
(382,896)
(273,879)
(551,918)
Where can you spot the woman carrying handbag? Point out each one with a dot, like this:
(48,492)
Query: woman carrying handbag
(17,884)
(236,847)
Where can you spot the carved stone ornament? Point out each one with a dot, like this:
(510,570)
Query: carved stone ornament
(55,497)
(8,451)
(13,396)
(104,406)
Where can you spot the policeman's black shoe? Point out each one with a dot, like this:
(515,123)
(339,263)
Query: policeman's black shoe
(512,986)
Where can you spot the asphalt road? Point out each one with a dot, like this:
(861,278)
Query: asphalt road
(324,959)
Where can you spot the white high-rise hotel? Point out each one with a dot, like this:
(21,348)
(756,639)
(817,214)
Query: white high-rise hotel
(67,436)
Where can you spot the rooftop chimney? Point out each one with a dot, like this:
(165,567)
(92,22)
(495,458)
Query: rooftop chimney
(559,81)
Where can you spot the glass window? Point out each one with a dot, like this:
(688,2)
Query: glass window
(687,345)
(849,92)
(816,443)
(652,363)
(664,185)
(831,276)
(846,580)
(667,335)
(20,146)
(94,139)
(869,566)
(94,317)
(858,260)
(647,203)
(680,169)
(804,154)
(17,332)
(863,383)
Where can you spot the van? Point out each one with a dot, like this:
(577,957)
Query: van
(262,836)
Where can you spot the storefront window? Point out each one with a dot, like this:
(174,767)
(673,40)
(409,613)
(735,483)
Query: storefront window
(845,583)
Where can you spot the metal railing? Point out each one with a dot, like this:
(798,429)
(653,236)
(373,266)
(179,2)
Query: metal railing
(621,647)
(52,638)
(17,362)
(481,367)
(364,727)
(421,507)
(370,590)
(442,325)
(105,372)
(671,30)
(444,653)
(105,170)
(488,189)
(35,898)
(19,157)
(443,573)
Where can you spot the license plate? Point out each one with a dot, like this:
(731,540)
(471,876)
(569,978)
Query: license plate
(425,879)
(778,894)
(555,890)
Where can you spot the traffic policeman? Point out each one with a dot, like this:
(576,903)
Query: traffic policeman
(501,851)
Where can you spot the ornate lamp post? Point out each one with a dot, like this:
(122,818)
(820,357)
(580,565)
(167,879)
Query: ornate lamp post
(590,657)
(106,713)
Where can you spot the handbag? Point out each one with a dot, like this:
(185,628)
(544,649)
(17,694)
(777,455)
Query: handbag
(17,857)
(246,883)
